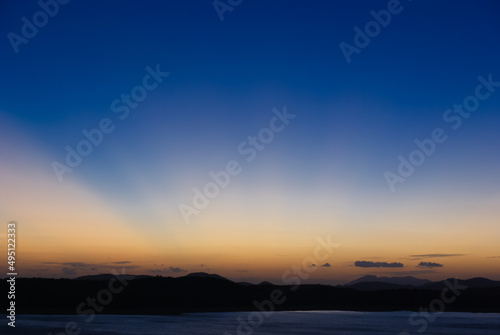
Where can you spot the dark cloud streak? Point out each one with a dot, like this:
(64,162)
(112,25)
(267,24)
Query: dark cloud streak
(429,265)
(436,255)
(367,264)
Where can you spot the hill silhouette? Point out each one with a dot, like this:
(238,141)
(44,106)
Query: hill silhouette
(478,282)
(408,280)
(213,293)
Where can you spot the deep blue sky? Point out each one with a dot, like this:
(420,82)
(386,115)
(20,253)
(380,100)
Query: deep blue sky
(353,120)
(227,76)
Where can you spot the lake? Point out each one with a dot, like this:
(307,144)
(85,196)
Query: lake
(246,323)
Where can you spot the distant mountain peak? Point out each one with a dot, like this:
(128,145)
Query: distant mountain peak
(206,275)
(265,283)
(407,280)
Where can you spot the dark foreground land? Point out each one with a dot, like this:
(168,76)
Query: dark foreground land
(107,294)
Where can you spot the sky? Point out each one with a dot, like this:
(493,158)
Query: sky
(319,123)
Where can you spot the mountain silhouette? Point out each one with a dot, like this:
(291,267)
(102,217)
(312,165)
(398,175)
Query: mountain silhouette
(108,276)
(201,292)
(403,281)
(206,275)
(478,282)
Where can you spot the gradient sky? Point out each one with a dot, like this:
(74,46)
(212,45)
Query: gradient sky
(322,175)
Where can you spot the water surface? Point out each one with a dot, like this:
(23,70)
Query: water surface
(277,323)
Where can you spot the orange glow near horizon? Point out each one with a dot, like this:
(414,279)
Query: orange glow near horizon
(254,233)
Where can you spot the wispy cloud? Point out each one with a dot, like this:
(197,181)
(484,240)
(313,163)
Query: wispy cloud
(68,271)
(419,257)
(76,264)
(171,269)
(71,269)
(410,272)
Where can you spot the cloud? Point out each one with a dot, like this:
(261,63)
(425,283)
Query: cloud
(373,257)
(326,265)
(493,257)
(68,271)
(71,268)
(171,269)
(72,264)
(429,265)
(75,264)
(367,264)
(129,267)
(409,272)
(418,257)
